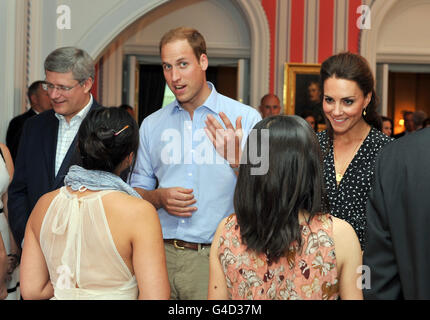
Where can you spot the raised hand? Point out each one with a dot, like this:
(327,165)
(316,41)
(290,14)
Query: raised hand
(227,142)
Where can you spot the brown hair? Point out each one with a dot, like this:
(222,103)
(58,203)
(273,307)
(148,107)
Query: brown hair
(194,38)
(350,66)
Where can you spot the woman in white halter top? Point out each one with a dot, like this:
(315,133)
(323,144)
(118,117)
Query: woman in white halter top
(96,242)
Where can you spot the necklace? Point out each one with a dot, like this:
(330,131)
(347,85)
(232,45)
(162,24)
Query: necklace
(339,175)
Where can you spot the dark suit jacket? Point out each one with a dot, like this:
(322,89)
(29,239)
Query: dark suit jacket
(35,168)
(398,221)
(14,131)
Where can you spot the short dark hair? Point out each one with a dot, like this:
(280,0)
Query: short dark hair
(353,67)
(99,147)
(32,89)
(267,206)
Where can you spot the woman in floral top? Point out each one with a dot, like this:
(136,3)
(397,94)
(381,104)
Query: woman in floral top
(279,244)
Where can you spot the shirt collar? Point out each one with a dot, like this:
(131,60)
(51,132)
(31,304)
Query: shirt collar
(210,103)
(81,114)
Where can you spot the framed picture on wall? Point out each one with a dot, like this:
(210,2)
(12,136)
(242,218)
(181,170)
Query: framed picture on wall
(302,90)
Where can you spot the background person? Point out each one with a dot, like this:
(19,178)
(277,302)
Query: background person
(12,250)
(280,243)
(418,118)
(310,118)
(270,105)
(387,126)
(39,102)
(95,238)
(350,144)
(409,124)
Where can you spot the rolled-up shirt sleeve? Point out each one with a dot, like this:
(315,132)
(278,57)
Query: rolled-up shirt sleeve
(143,174)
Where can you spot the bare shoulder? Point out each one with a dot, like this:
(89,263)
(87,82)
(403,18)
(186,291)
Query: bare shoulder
(42,205)
(341,228)
(45,200)
(132,207)
(345,239)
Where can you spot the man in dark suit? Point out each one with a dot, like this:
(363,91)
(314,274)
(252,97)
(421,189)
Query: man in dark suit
(39,102)
(398,221)
(48,144)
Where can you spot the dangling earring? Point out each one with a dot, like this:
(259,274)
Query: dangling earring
(364,112)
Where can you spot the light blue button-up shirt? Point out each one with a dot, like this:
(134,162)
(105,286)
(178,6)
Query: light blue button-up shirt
(175,151)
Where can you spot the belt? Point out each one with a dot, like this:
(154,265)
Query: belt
(179,244)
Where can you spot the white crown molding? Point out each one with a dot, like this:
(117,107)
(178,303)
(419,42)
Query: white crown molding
(380,10)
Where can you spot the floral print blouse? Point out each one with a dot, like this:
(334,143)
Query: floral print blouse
(308,273)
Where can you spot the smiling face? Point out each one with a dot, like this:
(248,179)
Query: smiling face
(343,104)
(68,103)
(184,74)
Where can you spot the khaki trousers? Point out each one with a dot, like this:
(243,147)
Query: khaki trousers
(188,272)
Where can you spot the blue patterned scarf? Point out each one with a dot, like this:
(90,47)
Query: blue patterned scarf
(78,177)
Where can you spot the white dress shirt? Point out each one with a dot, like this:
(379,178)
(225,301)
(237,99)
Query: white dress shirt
(67,132)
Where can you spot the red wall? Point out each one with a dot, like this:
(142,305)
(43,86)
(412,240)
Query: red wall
(326,34)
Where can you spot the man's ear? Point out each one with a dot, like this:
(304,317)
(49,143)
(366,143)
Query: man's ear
(88,84)
(33,100)
(203,61)
(260,107)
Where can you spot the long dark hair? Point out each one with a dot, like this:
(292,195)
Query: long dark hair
(267,206)
(350,66)
(99,147)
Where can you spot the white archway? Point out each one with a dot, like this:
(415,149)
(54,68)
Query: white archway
(369,38)
(103,33)
(389,21)
(397,35)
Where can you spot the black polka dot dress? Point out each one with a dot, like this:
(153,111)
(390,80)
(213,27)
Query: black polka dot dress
(348,199)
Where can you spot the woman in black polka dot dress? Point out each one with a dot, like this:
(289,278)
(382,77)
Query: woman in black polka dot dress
(350,144)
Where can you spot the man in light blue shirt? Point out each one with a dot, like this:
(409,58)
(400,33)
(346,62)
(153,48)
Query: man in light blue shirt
(178,169)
